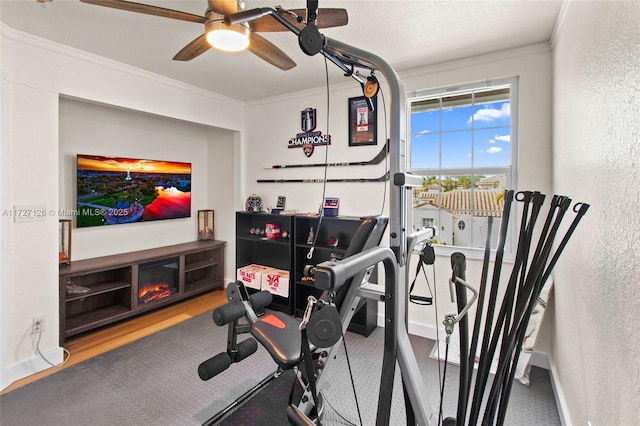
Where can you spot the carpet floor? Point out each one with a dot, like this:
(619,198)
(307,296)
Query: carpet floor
(154,381)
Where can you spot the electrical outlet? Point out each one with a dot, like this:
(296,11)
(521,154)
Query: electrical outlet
(37,326)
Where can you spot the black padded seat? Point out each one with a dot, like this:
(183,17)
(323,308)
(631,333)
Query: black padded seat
(279,333)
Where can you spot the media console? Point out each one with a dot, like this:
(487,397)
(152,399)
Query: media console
(99,291)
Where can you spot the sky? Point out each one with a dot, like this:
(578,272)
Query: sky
(118,164)
(471,136)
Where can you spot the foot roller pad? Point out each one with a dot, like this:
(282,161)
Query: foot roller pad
(214,366)
(228,312)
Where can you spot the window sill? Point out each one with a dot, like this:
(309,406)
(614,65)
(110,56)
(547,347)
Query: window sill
(469,253)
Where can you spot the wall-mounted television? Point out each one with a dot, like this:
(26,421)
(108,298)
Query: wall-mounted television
(116,190)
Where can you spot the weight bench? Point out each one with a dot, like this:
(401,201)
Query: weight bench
(325,321)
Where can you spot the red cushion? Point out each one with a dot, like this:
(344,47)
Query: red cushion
(280,335)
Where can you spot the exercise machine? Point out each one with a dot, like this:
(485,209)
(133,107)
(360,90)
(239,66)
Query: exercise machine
(285,337)
(307,343)
(333,275)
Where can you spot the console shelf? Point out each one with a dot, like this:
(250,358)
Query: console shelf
(198,265)
(97,289)
(90,320)
(115,293)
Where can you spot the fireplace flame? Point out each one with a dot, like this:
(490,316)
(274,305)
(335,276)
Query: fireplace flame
(154,291)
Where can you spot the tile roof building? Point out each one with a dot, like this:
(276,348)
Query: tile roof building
(459,214)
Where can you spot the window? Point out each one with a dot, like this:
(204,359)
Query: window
(463,144)
(427,222)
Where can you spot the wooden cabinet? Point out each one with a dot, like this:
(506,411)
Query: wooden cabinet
(331,238)
(203,269)
(103,290)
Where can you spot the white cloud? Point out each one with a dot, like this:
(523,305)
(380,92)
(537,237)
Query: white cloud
(423,132)
(490,114)
(498,138)
(494,150)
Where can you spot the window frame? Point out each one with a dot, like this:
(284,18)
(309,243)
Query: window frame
(510,171)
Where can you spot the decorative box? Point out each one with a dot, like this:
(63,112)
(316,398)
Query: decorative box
(276,281)
(272,230)
(251,275)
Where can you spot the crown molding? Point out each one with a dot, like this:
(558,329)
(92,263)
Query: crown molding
(527,50)
(81,55)
(531,49)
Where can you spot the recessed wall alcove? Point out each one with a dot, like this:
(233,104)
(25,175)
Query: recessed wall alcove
(91,128)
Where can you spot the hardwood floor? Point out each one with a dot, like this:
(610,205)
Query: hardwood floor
(87,346)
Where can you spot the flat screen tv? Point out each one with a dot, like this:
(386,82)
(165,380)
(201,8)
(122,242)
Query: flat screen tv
(115,190)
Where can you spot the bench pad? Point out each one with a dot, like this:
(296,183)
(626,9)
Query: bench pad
(280,335)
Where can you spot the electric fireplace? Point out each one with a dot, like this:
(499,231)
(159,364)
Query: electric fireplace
(157,280)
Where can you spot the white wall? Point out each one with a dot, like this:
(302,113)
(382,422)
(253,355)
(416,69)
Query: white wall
(596,157)
(40,72)
(268,144)
(274,121)
(93,129)
(35,74)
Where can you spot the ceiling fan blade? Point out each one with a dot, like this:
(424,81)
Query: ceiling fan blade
(224,7)
(148,10)
(326,18)
(194,49)
(264,49)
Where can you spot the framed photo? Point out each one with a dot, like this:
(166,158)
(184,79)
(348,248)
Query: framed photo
(363,126)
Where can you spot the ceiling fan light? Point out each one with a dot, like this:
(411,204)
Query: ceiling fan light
(232,38)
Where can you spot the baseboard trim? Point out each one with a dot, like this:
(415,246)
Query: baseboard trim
(558,394)
(422,330)
(538,359)
(28,367)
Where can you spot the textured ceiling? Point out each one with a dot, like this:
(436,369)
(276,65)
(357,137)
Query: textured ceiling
(407,34)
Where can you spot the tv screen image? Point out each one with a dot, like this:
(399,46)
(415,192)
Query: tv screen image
(114,190)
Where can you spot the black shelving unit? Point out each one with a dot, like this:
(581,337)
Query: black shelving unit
(332,239)
(255,248)
(331,227)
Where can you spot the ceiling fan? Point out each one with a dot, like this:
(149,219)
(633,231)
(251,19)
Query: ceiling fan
(213,21)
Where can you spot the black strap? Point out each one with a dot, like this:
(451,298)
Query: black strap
(427,256)
(308,364)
